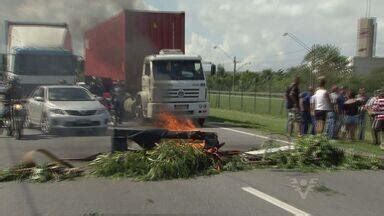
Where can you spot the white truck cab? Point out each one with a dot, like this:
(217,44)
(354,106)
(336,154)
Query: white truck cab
(173,82)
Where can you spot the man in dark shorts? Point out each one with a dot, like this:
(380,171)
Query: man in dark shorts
(293,107)
(321,105)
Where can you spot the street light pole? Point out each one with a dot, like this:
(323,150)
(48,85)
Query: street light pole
(301,43)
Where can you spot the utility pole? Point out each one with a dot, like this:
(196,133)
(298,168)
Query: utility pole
(234,64)
(234,73)
(313,66)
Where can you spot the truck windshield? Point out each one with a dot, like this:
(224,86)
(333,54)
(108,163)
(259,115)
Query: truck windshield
(178,70)
(44,64)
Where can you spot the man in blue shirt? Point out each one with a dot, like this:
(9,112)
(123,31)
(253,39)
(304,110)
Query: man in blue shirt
(339,110)
(305,108)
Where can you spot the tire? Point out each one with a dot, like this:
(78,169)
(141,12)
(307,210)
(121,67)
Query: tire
(45,126)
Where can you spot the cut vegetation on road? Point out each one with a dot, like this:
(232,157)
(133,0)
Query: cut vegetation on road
(173,159)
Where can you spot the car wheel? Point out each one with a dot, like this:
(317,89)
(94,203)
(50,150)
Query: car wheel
(45,126)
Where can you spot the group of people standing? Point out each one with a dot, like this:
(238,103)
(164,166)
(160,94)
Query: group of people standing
(339,113)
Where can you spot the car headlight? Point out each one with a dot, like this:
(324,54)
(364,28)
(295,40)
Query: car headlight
(17,107)
(58,111)
(101,111)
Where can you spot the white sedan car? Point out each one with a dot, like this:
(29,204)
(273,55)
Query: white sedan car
(66,107)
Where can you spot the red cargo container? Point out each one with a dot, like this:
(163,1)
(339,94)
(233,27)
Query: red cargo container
(116,48)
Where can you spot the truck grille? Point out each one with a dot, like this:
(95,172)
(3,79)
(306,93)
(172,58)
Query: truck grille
(81,113)
(182,93)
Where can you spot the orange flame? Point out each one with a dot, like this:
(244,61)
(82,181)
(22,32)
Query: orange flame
(174,123)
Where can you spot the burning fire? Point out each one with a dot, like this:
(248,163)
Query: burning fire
(174,123)
(178,123)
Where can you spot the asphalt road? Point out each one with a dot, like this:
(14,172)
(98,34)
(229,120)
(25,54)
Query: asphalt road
(258,192)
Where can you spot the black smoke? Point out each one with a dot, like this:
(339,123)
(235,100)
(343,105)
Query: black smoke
(80,15)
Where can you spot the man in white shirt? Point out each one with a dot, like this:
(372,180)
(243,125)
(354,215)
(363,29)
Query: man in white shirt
(321,105)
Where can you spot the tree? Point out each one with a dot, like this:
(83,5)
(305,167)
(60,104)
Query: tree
(372,81)
(266,74)
(220,70)
(327,61)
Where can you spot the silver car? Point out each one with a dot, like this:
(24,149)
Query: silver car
(66,107)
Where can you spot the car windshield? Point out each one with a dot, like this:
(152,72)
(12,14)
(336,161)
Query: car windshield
(68,94)
(178,70)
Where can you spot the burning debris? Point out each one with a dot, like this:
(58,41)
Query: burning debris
(170,127)
(148,139)
(177,150)
(175,123)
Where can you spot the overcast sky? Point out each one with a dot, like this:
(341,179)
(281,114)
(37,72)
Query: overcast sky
(250,29)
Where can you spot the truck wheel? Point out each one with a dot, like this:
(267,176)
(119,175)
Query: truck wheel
(201,121)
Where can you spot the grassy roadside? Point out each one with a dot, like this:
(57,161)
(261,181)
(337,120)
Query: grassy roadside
(271,124)
(249,104)
(261,122)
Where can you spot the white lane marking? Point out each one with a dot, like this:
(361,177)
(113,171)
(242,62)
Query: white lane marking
(255,135)
(275,201)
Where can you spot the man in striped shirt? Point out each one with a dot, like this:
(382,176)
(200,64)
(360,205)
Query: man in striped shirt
(376,110)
